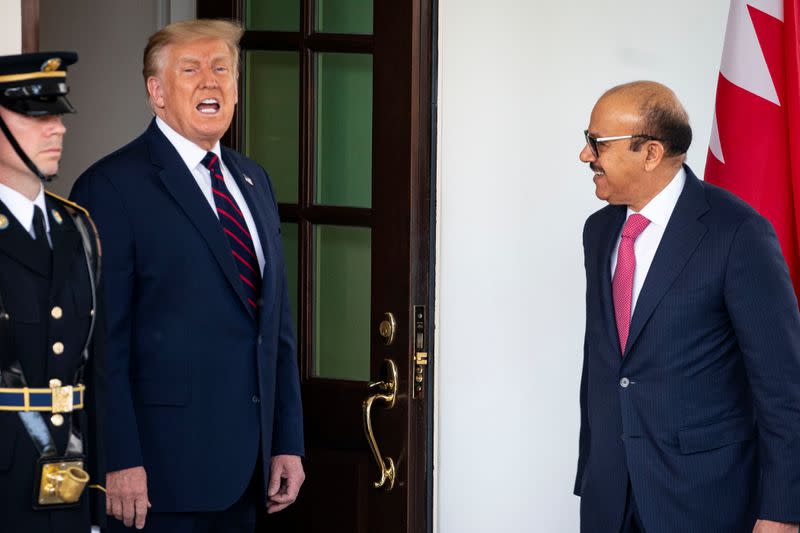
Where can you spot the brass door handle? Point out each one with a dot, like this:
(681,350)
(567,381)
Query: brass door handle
(387,393)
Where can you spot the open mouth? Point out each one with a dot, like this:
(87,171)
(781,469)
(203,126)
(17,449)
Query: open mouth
(209,106)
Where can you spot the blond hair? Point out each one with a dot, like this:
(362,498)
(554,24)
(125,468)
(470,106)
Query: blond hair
(191,30)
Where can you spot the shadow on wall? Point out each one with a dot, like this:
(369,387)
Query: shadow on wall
(106,85)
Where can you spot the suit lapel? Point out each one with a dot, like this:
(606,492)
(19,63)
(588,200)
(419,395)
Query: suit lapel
(681,237)
(17,243)
(616,220)
(180,183)
(256,207)
(65,239)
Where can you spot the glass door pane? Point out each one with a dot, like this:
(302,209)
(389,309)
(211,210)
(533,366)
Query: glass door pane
(344,129)
(272,15)
(272,111)
(342,284)
(344,16)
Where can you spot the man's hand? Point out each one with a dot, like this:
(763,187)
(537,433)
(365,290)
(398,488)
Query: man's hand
(286,476)
(768,526)
(126,496)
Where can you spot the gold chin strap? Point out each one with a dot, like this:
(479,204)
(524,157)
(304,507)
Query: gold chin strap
(33,75)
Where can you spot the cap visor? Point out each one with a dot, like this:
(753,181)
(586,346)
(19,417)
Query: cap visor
(58,105)
(36,107)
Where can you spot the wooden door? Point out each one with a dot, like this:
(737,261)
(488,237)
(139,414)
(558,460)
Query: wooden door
(335,102)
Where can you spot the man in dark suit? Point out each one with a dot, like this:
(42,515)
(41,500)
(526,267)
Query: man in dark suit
(51,360)
(205,419)
(690,394)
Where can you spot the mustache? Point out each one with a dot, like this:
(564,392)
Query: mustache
(595,168)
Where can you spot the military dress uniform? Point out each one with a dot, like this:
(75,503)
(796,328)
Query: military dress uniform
(51,354)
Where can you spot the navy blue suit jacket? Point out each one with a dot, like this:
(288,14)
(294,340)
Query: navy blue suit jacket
(707,424)
(196,380)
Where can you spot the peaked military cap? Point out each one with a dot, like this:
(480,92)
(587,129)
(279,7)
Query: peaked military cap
(36,84)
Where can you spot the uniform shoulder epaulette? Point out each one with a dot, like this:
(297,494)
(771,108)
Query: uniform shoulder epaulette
(67,203)
(74,210)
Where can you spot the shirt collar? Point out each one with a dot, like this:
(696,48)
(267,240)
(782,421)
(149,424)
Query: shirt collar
(659,209)
(22,208)
(191,154)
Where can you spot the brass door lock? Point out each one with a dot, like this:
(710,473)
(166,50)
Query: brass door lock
(387,328)
(420,353)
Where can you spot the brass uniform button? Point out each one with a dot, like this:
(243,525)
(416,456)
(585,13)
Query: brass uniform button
(58,348)
(56,312)
(57,420)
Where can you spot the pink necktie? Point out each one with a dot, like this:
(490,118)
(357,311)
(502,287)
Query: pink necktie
(622,284)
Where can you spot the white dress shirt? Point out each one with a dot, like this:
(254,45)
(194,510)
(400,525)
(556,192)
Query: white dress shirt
(193,156)
(658,211)
(22,209)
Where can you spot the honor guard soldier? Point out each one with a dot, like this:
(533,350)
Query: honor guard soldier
(51,360)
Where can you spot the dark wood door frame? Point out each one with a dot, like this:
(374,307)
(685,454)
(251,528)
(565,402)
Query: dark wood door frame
(422,196)
(30,26)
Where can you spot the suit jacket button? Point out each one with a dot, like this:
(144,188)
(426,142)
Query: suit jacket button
(256,399)
(58,348)
(56,312)
(624,382)
(259,340)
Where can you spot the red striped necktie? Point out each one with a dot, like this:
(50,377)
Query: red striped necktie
(235,227)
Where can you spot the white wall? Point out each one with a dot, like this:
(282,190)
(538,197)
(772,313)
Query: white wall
(518,79)
(10,27)
(181,9)
(106,85)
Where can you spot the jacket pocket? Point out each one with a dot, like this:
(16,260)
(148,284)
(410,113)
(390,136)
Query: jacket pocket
(717,435)
(160,393)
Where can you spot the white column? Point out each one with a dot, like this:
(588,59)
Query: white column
(10,27)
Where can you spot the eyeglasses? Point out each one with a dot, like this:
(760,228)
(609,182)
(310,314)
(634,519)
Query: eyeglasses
(594,141)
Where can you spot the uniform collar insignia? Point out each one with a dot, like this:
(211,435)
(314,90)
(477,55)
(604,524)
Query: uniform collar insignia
(3,222)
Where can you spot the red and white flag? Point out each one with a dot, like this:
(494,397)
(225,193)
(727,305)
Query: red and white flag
(755,140)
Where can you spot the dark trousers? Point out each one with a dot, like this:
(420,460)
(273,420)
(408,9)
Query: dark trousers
(238,518)
(631,523)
